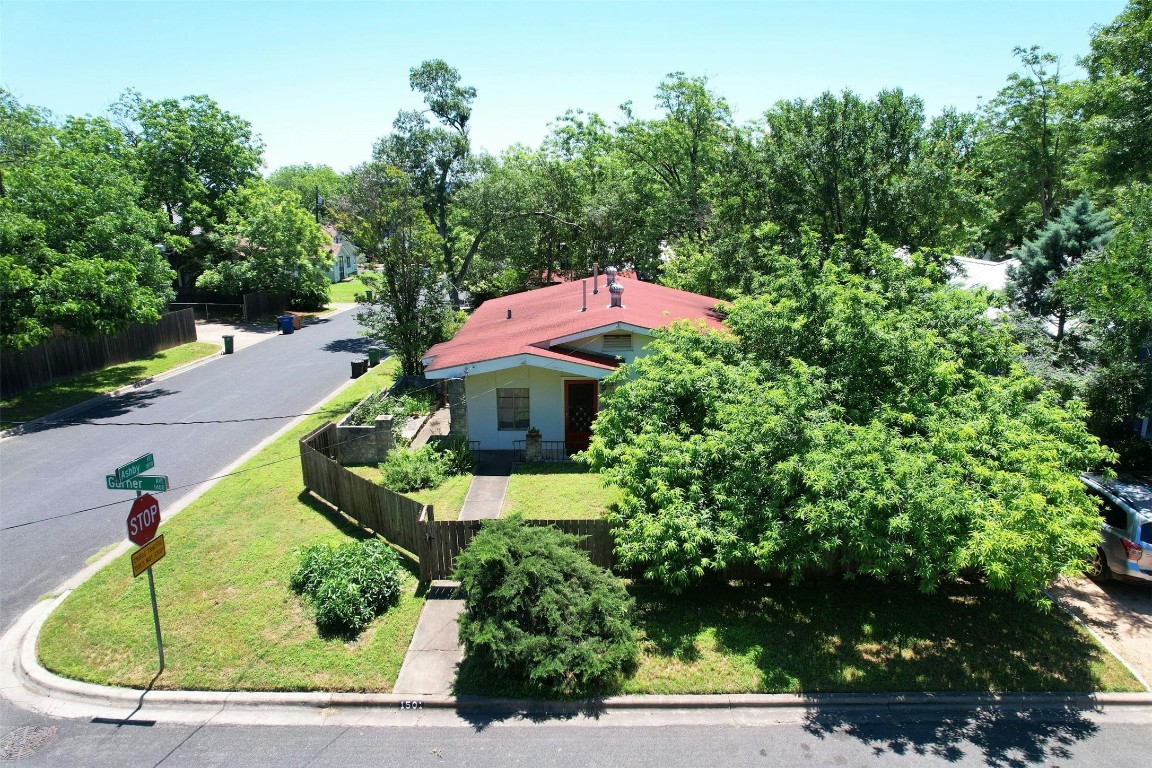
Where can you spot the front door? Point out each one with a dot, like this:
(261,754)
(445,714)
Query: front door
(579,413)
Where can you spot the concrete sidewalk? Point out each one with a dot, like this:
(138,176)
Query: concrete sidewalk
(435,654)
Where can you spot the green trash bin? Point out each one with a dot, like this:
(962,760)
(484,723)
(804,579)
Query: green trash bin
(228,345)
(368,295)
(373,357)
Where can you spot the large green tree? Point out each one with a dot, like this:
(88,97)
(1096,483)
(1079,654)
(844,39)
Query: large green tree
(861,415)
(437,157)
(676,154)
(316,186)
(270,243)
(189,154)
(382,214)
(78,250)
(1111,291)
(1078,232)
(1030,134)
(1117,98)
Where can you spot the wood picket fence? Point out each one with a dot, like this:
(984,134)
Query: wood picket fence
(411,525)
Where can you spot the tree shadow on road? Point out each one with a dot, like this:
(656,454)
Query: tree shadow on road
(1005,736)
(357,346)
(121,405)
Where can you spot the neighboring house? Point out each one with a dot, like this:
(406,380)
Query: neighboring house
(992,275)
(344,255)
(535,359)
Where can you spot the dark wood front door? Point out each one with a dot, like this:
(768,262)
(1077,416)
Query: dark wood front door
(579,413)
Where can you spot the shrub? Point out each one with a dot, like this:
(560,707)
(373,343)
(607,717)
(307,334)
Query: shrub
(410,470)
(349,584)
(540,611)
(456,456)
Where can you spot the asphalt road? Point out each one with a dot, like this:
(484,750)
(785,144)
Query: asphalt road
(957,738)
(60,470)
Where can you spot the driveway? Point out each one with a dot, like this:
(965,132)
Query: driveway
(1120,613)
(53,513)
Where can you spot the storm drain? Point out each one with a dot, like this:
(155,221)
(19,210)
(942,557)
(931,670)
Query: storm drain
(26,741)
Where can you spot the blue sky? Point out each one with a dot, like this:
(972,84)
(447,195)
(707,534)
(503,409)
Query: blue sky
(321,81)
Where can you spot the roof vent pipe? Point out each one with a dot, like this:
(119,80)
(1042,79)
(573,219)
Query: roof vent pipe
(583,295)
(595,277)
(617,291)
(509,313)
(610,273)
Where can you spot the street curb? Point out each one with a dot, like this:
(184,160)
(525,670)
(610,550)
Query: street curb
(55,695)
(72,410)
(91,402)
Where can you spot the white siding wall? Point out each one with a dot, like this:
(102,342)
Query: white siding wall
(545,404)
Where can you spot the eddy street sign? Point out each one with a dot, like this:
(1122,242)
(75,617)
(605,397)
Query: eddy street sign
(148,555)
(143,520)
(158,483)
(135,467)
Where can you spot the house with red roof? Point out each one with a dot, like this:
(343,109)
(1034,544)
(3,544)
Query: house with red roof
(535,359)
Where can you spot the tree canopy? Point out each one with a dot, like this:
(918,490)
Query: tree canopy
(78,244)
(862,415)
(268,242)
(382,214)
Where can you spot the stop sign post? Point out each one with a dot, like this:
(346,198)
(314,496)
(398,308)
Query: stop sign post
(143,520)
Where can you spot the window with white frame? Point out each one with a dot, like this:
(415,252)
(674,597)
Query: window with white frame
(512,408)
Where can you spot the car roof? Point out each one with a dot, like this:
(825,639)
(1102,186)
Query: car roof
(1133,490)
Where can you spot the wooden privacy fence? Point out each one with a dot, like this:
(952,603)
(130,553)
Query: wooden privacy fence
(263,303)
(445,539)
(411,525)
(393,516)
(66,356)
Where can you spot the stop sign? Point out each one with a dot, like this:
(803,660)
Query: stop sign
(143,520)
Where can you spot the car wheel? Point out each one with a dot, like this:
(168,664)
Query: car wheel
(1100,570)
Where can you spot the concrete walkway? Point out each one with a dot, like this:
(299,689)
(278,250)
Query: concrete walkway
(435,654)
(429,666)
(489,484)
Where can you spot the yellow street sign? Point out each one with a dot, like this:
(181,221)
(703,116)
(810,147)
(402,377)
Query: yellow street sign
(148,555)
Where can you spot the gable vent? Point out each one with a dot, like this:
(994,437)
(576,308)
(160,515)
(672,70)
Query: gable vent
(617,342)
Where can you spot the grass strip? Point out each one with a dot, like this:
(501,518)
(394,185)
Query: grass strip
(558,491)
(64,394)
(345,292)
(849,637)
(229,618)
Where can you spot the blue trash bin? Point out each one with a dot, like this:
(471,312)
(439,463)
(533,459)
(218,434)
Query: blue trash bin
(285,323)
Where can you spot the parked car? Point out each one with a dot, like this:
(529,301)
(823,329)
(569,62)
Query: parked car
(1125,550)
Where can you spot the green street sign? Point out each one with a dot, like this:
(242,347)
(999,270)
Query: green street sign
(157,483)
(136,467)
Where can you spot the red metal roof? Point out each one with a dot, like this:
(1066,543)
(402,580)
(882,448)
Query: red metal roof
(553,312)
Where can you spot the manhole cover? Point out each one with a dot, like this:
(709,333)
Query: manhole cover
(26,741)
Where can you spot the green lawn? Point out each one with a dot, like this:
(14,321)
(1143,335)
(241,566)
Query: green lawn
(446,499)
(345,292)
(229,618)
(557,491)
(48,400)
(858,636)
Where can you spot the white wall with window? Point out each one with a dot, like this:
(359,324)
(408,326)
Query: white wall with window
(502,398)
